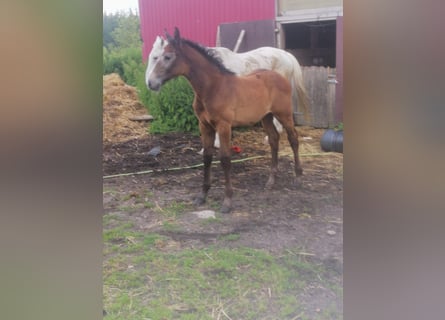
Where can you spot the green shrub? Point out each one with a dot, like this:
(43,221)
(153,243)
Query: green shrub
(171,107)
(134,70)
(127,62)
(339,126)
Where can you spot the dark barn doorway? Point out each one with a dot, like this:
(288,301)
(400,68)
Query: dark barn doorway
(312,43)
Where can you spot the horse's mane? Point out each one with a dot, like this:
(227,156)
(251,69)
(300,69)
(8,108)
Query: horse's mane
(209,54)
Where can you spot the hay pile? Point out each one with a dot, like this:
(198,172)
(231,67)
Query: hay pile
(121,102)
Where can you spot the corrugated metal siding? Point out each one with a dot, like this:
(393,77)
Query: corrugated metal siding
(197,19)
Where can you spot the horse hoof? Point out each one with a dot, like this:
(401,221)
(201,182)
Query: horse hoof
(297,184)
(199,200)
(226,206)
(269,184)
(225,209)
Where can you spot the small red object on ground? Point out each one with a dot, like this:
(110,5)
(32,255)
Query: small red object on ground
(236,149)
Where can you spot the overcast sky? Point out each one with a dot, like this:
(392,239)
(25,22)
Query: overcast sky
(113,6)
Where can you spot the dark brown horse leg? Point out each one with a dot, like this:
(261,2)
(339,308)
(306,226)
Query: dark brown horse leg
(207,138)
(292,136)
(224,132)
(274,138)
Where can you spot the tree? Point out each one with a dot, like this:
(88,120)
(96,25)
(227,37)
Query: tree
(122,46)
(127,32)
(110,22)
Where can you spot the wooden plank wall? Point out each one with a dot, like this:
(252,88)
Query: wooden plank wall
(320,86)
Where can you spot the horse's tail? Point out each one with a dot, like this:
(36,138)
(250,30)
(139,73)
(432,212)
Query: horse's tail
(298,87)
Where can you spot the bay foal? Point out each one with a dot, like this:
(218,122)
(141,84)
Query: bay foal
(224,100)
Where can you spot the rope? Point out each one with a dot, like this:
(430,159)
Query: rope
(199,165)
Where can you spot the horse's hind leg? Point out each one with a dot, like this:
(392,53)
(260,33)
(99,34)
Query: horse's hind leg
(292,136)
(207,138)
(274,137)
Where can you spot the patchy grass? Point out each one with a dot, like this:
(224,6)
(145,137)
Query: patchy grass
(231,237)
(173,209)
(143,280)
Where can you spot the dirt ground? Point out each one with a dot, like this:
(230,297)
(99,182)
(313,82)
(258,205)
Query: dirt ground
(308,218)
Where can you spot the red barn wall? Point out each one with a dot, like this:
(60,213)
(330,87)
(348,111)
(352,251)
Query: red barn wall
(197,19)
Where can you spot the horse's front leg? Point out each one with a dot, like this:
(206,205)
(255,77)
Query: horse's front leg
(207,138)
(225,132)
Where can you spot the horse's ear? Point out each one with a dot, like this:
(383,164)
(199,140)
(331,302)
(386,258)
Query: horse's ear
(177,35)
(159,40)
(169,37)
(176,40)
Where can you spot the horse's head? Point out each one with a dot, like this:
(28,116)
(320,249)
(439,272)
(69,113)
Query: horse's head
(166,62)
(156,52)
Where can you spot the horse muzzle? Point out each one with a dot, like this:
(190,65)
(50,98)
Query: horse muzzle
(154,85)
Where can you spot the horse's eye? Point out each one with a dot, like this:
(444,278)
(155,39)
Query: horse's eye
(167,58)
(155,58)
